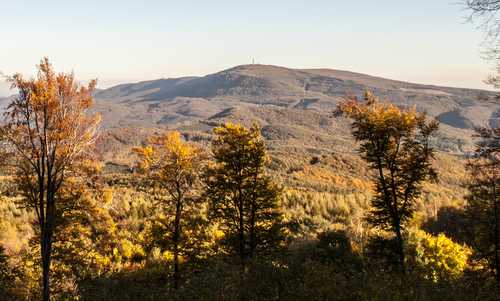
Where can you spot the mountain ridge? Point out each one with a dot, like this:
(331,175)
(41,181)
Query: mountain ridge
(316,89)
(343,74)
(293,106)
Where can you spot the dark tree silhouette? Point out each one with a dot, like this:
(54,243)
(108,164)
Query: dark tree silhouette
(483,206)
(396,145)
(242,197)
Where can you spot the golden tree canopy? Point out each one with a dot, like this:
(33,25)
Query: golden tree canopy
(49,121)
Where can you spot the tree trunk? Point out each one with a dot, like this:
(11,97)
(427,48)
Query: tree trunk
(252,233)
(241,235)
(496,233)
(46,248)
(399,239)
(177,230)
(241,238)
(47,228)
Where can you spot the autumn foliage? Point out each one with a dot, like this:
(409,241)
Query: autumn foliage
(48,137)
(242,197)
(225,215)
(396,143)
(172,169)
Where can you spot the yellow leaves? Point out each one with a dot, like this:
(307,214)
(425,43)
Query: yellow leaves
(229,127)
(439,257)
(146,156)
(218,234)
(178,150)
(360,184)
(48,127)
(376,114)
(238,131)
(325,176)
(168,256)
(131,251)
(100,261)
(322,175)
(126,248)
(168,148)
(107,196)
(239,143)
(90,166)
(148,151)
(172,142)
(49,91)
(116,253)
(169,161)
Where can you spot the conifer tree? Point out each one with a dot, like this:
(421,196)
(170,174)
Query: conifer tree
(243,198)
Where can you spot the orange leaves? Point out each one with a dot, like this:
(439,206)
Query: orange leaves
(51,113)
(48,135)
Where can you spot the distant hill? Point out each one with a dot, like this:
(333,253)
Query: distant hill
(294,109)
(294,106)
(170,101)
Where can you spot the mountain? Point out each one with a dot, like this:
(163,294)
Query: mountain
(188,99)
(294,107)
(311,149)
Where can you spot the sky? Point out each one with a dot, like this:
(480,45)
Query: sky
(425,41)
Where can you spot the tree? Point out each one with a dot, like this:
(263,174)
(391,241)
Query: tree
(396,144)
(483,208)
(438,257)
(47,139)
(243,199)
(172,168)
(486,11)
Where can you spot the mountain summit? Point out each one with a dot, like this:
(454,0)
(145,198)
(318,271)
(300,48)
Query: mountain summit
(170,101)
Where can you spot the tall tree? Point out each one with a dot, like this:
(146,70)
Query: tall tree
(47,137)
(396,144)
(172,168)
(242,196)
(483,206)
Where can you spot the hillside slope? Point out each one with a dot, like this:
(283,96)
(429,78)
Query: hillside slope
(294,106)
(170,101)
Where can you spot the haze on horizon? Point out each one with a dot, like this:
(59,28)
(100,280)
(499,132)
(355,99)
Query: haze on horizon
(122,41)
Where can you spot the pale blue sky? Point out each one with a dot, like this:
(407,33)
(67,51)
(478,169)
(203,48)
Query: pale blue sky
(425,41)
